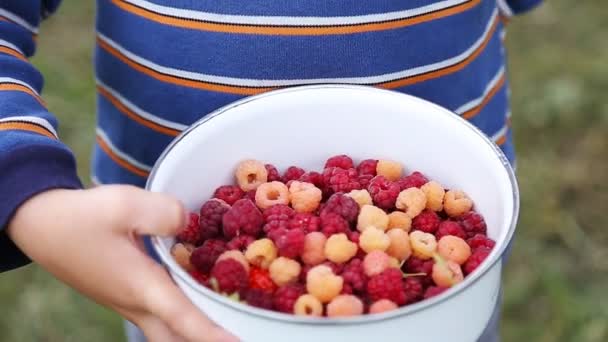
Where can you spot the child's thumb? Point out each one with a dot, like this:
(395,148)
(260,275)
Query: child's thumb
(157,214)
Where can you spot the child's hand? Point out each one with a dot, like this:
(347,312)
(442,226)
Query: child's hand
(88,239)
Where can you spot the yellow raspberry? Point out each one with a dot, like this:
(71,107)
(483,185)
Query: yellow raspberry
(400,220)
(383,305)
(261,253)
(181,253)
(314,248)
(305,197)
(269,194)
(339,248)
(434,193)
(423,244)
(454,248)
(456,203)
(284,271)
(390,169)
(250,174)
(236,255)
(374,239)
(308,305)
(362,197)
(322,283)
(400,244)
(412,201)
(446,273)
(345,305)
(372,216)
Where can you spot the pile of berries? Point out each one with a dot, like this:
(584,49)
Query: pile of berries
(349,240)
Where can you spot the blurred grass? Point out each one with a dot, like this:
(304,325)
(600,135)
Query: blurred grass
(557,276)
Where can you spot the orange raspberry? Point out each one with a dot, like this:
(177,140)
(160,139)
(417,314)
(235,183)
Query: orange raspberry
(373,239)
(382,305)
(314,248)
(345,305)
(399,219)
(284,271)
(446,273)
(454,248)
(181,253)
(400,244)
(362,197)
(261,253)
(456,203)
(375,263)
(269,194)
(250,174)
(308,305)
(305,197)
(372,216)
(390,169)
(434,193)
(412,201)
(339,248)
(423,244)
(322,283)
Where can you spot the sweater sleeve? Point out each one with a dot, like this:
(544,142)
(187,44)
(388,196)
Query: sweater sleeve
(32,158)
(515,7)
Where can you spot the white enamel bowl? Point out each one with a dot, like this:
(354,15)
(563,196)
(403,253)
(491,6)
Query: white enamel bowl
(304,126)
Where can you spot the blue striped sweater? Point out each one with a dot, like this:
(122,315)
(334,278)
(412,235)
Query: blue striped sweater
(161,65)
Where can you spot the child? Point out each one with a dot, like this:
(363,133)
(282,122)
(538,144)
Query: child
(162,64)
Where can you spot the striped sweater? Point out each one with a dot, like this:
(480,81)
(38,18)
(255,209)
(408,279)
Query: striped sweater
(161,65)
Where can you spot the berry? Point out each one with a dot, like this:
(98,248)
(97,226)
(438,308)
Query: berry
(284,271)
(314,248)
(387,285)
(314,178)
(261,253)
(354,275)
(250,195)
(210,221)
(416,265)
(286,296)
(250,174)
(335,267)
(305,222)
(243,218)
(342,161)
(308,305)
(399,219)
(453,248)
(372,216)
(364,181)
(260,279)
(273,173)
(383,305)
(333,224)
(434,195)
(234,255)
(277,216)
(399,247)
(342,205)
(203,258)
(229,194)
(415,180)
(259,298)
(346,289)
(374,239)
(413,289)
(384,192)
(480,240)
(412,201)
(240,243)
(446,273)
(449,227)
(345,305)
(200,277)
(230,275)
(433,291)
(367,167)
(339,249)
(473,224)
(456,203)
(192,232)
(427,221)
(362,197)
(305,197)
(271,193)
(322,283)
(375,263)
(476,258)
(423,244)
(292,173)
(340,180)
(290,243)
(181,253)
(389,169)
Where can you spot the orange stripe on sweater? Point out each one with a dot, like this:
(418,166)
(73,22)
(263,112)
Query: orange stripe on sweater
(25,126)
(120,161)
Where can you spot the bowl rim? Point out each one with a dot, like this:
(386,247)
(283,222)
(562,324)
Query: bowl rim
(494,257)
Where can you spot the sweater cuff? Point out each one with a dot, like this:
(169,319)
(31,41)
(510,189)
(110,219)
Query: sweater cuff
(26,172)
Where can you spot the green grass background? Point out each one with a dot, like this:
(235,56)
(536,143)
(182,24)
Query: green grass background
(557,278)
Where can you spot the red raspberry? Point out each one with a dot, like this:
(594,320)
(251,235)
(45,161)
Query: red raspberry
(259,298)
(333,224)
(364,180)
(203,258)
(277,216)
(192,232)
(260,279)
(354,236)
(230,275)
(273,173)
(340,180)
(342,205)
(415,180)
(354,275)
(342,161)
(336,268)
(292,173)
(243,218)
(314,178)
(304,272)
(367,167)
(200,277)
(346,289)
(476,258)
(416,265)
(480,240)
(413,289)
(285,297)
(427,221)
(433,291)
(290,243)
(229,193)
(384,192)
(211,214)
(387,285)
(473,224)
(306,222)
(240,243)
(250,195)
(449,227)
